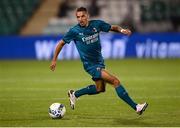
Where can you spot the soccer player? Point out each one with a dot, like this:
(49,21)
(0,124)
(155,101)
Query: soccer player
(86,38)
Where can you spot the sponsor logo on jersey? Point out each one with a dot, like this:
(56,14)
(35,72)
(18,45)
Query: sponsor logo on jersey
(90,39)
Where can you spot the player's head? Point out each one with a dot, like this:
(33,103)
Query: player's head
(82,16)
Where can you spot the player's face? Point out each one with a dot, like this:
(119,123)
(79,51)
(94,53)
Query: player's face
(82,18)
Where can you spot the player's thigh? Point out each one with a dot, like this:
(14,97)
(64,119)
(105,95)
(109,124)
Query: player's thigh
(106,76)
(100,85)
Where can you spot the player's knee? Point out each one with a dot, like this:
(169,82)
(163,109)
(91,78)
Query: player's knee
(116,82)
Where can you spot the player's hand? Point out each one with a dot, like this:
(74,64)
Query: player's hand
(126,31)
(53,65)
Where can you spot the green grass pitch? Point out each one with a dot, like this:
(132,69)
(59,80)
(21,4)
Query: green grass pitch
(28,88)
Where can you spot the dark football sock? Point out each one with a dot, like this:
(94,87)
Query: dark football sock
(90,90)
(125,97)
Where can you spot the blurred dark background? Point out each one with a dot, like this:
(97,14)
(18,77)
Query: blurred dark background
(43,17)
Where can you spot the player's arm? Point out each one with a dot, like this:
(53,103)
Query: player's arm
(57,51)
(119,29)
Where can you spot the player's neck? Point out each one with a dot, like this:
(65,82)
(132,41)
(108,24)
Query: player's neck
(86,25)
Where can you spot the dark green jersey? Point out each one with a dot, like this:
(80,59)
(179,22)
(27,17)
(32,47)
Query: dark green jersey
(87,42)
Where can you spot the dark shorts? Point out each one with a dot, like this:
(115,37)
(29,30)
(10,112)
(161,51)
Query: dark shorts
(95,72)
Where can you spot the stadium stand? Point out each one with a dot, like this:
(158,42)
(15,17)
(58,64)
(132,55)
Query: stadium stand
(140,15)
(36,24)
(111,11)
(56,16)
(15,13)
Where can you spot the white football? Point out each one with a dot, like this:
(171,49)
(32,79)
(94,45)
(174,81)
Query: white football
(57,110)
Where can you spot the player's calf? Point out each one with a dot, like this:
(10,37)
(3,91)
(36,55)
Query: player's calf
(101,89)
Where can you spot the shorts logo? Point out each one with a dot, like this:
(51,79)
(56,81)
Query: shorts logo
(94,30)
(98,68)
(81,34)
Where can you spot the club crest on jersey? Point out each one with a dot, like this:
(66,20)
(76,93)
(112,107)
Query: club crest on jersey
(94,30)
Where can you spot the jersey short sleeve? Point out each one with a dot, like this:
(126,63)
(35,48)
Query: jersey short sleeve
(69,36)
(105,27)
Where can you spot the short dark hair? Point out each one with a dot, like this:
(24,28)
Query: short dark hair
(81,9)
